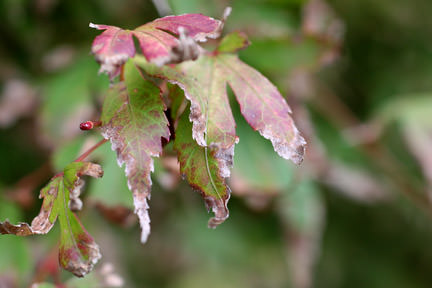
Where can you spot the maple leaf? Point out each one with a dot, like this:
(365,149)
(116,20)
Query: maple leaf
(133,120)
(205,81)
(114,46)
(202,169)
(78,252)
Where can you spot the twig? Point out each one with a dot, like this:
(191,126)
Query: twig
(84,155)
(89,151)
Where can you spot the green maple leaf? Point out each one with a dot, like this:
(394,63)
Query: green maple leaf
(201,167)
(205,85)
(78,252)
(133,120)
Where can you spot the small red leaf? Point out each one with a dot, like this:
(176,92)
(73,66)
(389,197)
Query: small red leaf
(198,26)
(114,46)
(155,44)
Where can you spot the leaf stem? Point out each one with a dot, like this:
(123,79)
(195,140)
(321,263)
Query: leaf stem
(89,151)
(84,155)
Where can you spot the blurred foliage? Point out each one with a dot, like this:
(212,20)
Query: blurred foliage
(357,77)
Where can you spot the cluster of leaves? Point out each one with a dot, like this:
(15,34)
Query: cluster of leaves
(78,251)
(354,149)
(134,119)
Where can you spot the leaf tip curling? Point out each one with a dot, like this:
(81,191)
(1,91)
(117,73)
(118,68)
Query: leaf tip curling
(220,209)
(72,259)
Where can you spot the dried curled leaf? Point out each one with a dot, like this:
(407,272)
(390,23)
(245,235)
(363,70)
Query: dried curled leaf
(201,166)
(78,252)
(114,46)
(133,120)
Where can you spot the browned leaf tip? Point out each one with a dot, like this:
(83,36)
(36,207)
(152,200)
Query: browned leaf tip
(22,229)
(219,208)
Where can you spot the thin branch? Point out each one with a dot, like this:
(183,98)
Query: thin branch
(89,151)
(84,155)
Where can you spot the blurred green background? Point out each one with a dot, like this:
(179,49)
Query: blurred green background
(356,213)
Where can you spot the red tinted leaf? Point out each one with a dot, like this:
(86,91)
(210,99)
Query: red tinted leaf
(264,108)
(78,252)
(204,82)
(114,46)
(133,120)
(198,26)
